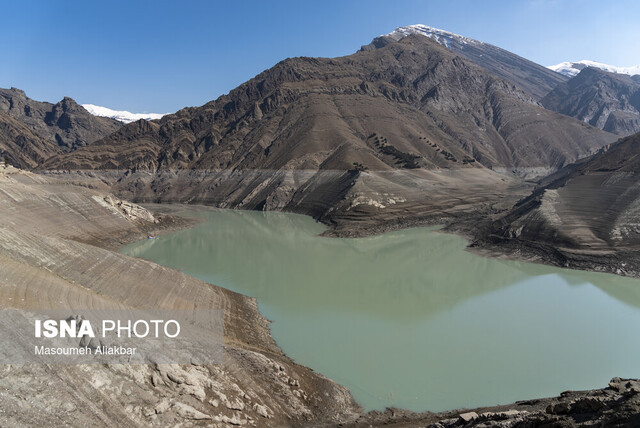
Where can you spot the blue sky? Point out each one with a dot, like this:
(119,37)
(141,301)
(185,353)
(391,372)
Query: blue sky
(160,56)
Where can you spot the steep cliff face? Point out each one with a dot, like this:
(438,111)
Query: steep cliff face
(65,124)
(606,100)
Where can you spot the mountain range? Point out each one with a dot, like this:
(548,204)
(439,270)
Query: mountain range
(327,110)
(390,129)
(66,124)
(420,125)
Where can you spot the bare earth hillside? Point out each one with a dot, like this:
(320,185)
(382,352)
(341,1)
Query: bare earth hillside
(54,251)
(585,216)
(47,260)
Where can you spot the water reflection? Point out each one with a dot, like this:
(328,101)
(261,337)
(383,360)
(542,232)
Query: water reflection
(401,276)
(409,318)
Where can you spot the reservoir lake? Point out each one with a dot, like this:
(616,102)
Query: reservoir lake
(409,318)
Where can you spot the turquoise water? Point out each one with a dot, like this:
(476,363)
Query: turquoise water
(410,319)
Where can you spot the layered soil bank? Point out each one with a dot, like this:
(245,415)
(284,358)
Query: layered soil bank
(48,260)
(56,250)
(584,216)
(351,203)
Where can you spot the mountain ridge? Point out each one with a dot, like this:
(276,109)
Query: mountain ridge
(533,78)
(408,130)
(606,100)
(53,128)
(20,146)
(357,76)
(584,217)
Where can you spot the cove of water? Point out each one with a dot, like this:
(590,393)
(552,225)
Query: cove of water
(410,319)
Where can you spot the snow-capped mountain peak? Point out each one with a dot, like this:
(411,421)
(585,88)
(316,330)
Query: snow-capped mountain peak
(535,79)
(441,36)
(573,68)
(121,115)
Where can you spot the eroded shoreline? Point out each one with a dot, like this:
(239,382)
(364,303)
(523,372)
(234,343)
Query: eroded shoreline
(529,410)
(257,381)
(46,260)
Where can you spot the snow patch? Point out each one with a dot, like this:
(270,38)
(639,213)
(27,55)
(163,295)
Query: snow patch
(571,69)
(443,37)
(121,115)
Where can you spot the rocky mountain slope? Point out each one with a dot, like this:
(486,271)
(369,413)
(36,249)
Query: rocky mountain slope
(65,125)
(527,75)
(606,100)
(20,146)
(379,129)
(585,216)
(385,108)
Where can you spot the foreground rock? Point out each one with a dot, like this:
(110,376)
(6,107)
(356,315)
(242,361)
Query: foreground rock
(618,405)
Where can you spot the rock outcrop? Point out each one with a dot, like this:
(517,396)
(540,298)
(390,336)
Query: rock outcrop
(617,405)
